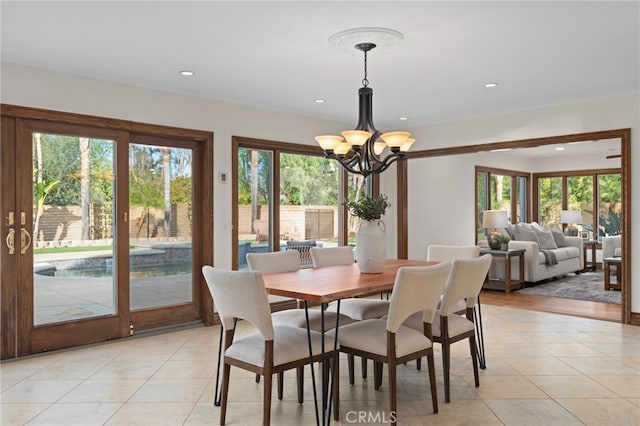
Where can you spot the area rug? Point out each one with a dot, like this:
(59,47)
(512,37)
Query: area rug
(585,286)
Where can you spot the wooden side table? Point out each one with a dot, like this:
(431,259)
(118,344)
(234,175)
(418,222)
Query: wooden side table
(592,244)
(507,283)
(608,262)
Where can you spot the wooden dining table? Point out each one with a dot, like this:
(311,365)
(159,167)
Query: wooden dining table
(331,283)
(324,285)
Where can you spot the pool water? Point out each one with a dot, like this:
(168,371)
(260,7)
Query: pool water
(140,271)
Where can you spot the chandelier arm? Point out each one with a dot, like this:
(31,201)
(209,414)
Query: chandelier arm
(349,165)
(390,159)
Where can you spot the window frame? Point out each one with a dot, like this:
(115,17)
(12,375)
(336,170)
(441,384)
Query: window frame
(514,174)
(278,148)
(565,175)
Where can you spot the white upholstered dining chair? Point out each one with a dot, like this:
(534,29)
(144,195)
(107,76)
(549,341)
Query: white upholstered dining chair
(463,284)
(288,261)
(416,290)
(271,349)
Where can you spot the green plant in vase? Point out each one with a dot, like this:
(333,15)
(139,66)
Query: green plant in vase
(368,208)
(370,243)
(504,241)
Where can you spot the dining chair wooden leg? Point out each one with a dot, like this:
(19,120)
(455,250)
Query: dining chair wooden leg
(350,361)
(268,382)
(432,381)
(419,364)
(364,367)
(474,359)
(280,382)
(325,382)
(377,374)
(300,380)
(393,399)
(257,378)
(226,370)
(266,399)
(446,356)
(336,387)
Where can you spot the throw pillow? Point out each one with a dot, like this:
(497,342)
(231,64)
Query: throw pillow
(558,236)
(545,239)
(536,226)
(523,234)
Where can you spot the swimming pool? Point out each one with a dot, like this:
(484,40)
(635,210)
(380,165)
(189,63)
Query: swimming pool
(137,271)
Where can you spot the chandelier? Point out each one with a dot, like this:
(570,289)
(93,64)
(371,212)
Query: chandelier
(360,150)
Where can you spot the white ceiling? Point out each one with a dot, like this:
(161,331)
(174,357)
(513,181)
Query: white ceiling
(276,55)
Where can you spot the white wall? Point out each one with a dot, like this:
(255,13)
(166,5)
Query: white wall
(427,221)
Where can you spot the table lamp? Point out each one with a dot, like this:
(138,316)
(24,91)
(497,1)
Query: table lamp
(493,219)
(571,218)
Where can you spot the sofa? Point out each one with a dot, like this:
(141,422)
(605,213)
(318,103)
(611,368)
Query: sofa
(612,246)
(541,245)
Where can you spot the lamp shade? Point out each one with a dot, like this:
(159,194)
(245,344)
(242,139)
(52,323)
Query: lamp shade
(571,216)
(495,219)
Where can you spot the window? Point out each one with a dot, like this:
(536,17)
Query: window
(550,196)
(500,190)
(287,195)
(595,193)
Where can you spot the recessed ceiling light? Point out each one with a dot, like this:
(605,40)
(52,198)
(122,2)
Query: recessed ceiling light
(404,118)
(489,85)
(560,148)
(320,101)
(500,150)
(187,73)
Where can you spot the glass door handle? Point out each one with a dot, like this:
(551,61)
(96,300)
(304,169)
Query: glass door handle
(10,240)
(25,240)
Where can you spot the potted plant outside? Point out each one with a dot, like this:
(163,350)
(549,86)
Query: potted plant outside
(370,250)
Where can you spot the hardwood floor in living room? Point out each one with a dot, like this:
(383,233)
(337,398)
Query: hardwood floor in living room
(534,302)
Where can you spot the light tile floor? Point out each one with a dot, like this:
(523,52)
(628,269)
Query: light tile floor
(542,369)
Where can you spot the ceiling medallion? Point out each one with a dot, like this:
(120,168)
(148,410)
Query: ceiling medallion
(383,38)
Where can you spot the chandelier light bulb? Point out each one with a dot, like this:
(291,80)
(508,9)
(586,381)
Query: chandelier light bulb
(356,137)
(395,139)
(342,149)
(405,146)
(378,147)
(328,142)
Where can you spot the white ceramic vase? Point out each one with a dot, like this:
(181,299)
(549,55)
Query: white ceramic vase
(370,247)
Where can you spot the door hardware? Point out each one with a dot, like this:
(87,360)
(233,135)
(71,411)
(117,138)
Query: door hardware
(10,219)
(25,240)
(11,241)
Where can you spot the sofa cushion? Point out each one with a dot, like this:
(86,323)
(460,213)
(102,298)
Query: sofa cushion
(523,233)
(562,253)
(565,253)
(545,238)
(558,236)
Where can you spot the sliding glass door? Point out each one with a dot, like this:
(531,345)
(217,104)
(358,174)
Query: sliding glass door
(104,233)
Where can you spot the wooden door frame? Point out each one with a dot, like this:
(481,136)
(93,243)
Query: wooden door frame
(19,338)
(627,317)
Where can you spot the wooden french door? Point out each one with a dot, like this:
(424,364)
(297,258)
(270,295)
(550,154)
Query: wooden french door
(98,229)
